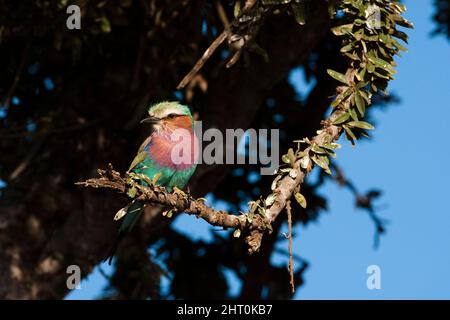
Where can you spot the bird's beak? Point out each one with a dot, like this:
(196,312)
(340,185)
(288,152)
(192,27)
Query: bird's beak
(151,120)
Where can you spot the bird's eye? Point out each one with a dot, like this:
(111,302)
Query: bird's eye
(171,116)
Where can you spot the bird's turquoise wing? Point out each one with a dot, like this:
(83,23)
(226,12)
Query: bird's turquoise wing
(169,178)
(141,154)
(180,178)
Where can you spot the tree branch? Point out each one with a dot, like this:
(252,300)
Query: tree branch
(363,201)
(291,257)
(206,55)
(181,202)
(226,33)
(17,76)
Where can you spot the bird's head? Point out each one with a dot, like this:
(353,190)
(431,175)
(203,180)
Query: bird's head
(168,116)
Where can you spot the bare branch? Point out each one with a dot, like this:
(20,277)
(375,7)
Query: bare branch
(226,33)
(222,15)
(206,55)
(13,87)
(291,257)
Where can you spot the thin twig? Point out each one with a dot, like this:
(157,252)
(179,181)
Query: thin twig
(13,87)
(363,201)
(103,273)
(23,165)
(49,131)
(249,4)
(291,256)
(206,55)
(295,256)
(222,15)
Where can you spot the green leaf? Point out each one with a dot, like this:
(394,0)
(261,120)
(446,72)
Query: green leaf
(299,11)
(360,103)
(347,92)
(359,22)
(331,146)
(401,35)
(318,150)
(341,119)
(361,124)
(336,102)
(362,84)
(275,181)
(270,199)
(105,26)
(342,30)
(168,214)
(399,46)
(285,158)
(381,63)
(338,76)
(405,23)
(323,162)
(132,192)
(331,153)
(347,48)
(350,135)
(365,95)
(364,46)
(301,199)
(353,114)
(291,156)
(237,8)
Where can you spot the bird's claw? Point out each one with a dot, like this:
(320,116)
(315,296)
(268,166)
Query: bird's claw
(178,191)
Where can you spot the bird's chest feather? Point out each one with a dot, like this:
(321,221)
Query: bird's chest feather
(175,150)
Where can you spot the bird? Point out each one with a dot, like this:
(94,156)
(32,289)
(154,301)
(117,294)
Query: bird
(167,157)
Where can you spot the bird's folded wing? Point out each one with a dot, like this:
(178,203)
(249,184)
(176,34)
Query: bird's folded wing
(142,153)
(137,160)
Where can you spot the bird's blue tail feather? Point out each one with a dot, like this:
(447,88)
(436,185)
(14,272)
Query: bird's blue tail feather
(134,211)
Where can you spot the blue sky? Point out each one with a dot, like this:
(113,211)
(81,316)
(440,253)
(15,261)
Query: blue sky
(406,159)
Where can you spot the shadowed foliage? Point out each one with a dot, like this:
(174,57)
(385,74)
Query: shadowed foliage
(442,17)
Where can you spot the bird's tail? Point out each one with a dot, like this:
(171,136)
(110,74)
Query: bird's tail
(132,212)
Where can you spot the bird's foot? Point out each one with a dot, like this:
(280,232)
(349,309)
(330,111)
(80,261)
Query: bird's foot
(179,192)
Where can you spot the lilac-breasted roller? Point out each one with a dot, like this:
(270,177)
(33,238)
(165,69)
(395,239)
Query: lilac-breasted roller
(167,156)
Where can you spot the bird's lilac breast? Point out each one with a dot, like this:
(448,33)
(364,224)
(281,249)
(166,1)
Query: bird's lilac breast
(177,150)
